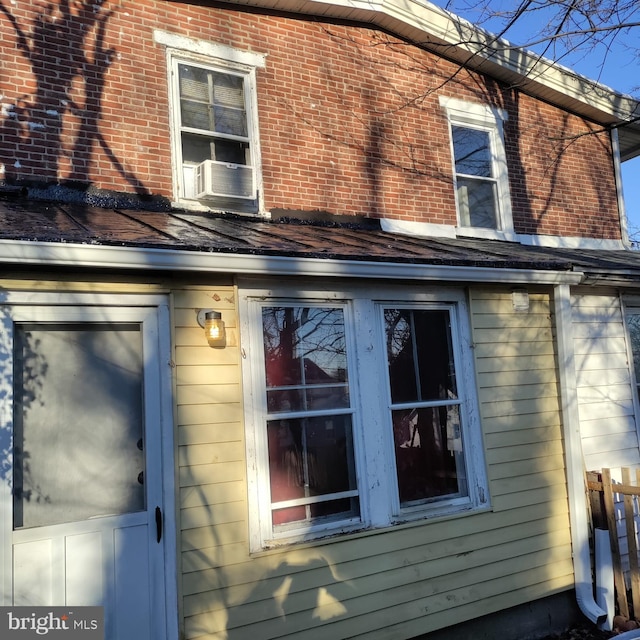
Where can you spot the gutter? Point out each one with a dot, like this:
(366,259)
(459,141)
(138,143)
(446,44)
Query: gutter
(578,516)
(56,254)
(617,172)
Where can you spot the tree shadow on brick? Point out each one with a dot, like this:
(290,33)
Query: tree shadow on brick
(66,50)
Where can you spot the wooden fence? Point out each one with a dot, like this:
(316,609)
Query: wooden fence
(604,507)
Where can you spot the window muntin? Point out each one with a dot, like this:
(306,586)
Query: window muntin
(479,169)
(476,184)
(213,117)
(215,134)
(309,427)
(330,410)
(425,408)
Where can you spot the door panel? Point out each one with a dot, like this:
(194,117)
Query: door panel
(87,474)
(33,568)
(80,551)
(132,583)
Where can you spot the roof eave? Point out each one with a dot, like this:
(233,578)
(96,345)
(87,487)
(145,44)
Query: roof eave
(460,41)
(52,254)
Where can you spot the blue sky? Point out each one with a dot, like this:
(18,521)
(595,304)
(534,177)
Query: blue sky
(618,68)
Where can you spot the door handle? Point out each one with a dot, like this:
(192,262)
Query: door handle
(158,524)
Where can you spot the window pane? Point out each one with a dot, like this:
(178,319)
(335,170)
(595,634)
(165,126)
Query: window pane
(228,90)
(212,101)
(195,115)
(194,83)
(194,97)
(195,148)
(231,121)
(78,420)
(428,446)
(231,151)
(312,399)
(420,355)
(305,358)
(228,104)
(477,202)
(472,149)
(311,457)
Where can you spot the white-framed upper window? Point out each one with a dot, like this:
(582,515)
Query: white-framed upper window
(480,168)
(361,413)
(215,141)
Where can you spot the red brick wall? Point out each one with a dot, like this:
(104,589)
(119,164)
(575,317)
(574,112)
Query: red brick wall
(349,117)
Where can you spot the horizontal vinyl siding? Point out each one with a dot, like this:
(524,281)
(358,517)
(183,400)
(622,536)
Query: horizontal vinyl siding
(395,583)
(605,390)
(211,460)
(518,389)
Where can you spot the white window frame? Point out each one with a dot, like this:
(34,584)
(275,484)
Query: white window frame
(224,59)
(453,503)
(491,120)
(371,417)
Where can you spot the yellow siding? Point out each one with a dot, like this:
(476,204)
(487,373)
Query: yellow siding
(389,584)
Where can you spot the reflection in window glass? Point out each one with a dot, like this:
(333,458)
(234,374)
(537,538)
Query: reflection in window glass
(420,355)
(305,358)
(425,412)
(475,180)
(311,456)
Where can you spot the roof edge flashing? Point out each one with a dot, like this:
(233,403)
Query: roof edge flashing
(51,254)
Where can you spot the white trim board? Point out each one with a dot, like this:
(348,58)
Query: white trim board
(54,254)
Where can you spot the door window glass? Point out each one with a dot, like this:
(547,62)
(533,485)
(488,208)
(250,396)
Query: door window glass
(78,421)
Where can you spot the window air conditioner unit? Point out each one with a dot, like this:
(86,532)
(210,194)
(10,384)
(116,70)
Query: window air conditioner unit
(224,180)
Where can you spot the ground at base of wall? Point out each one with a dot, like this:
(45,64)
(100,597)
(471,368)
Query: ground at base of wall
(582,632)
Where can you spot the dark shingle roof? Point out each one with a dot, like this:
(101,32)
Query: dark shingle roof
(35,221)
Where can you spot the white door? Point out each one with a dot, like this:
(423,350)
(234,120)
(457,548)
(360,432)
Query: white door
(82,478)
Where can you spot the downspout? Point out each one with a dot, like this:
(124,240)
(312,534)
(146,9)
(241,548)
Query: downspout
(617,172)
(578,516)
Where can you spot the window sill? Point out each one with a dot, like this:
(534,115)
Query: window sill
(364,531)
(486,234)
(199,207)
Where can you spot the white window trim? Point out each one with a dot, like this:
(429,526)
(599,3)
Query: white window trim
(181,49)
(490,119)
(374,454)
(453,504)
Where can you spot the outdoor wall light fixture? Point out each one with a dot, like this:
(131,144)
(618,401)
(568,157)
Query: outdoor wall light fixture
(213,324)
